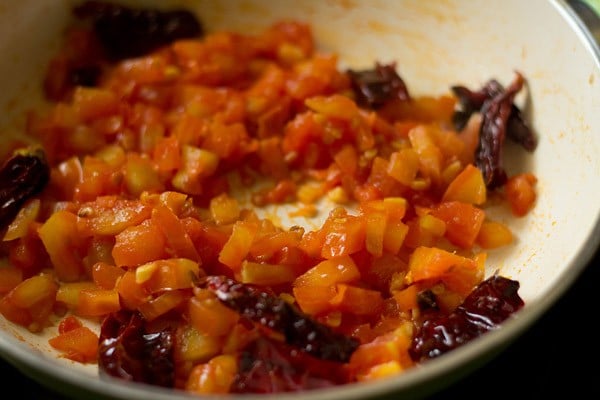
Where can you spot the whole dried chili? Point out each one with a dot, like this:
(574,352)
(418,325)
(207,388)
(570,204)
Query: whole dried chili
(495,113)
(472,101)
(501,119)
(130,32)
(268,366)
(489,304)
(266,309)
(22,176)
(127,351)
(375,87)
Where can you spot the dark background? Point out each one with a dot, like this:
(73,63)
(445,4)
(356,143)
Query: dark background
(559,354)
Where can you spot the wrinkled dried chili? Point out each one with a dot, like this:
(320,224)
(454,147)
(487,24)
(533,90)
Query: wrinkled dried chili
(299,329)
(128,351)
(22,176)
(130,32)
(501,119)
(490,304)
(375,87)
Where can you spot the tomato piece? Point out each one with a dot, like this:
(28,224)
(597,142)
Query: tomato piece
(356,300)
(139,244)
(68,293)
(131,293)
(196,165)
(467,187)
(404,165)
(210,317)
(216,376)
(239,243)
(167,154)
(299,132)
(98,178)
(430,156)
(19,227)
(329,272)
(224,209)
(347,160)
(105,275)
(79,344)
(178,242)
(31,302)
(110,215)
(140,175)
(392,347)
(494,234)
(90,103)
(267,245)
(463,222)
(170,274)
(267,274)
(314,300)
(459,273)
(97,302)
(195,346)
(521,194)
(407,298)
(376,227)
(342,235)
(62,240)
(335,106)
(162,304)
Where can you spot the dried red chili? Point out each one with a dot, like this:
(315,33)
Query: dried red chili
(130,32)
(490,304)
(299,329)
(501,119)
(127,351)
(375,87)
(267,366)
(22,176)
